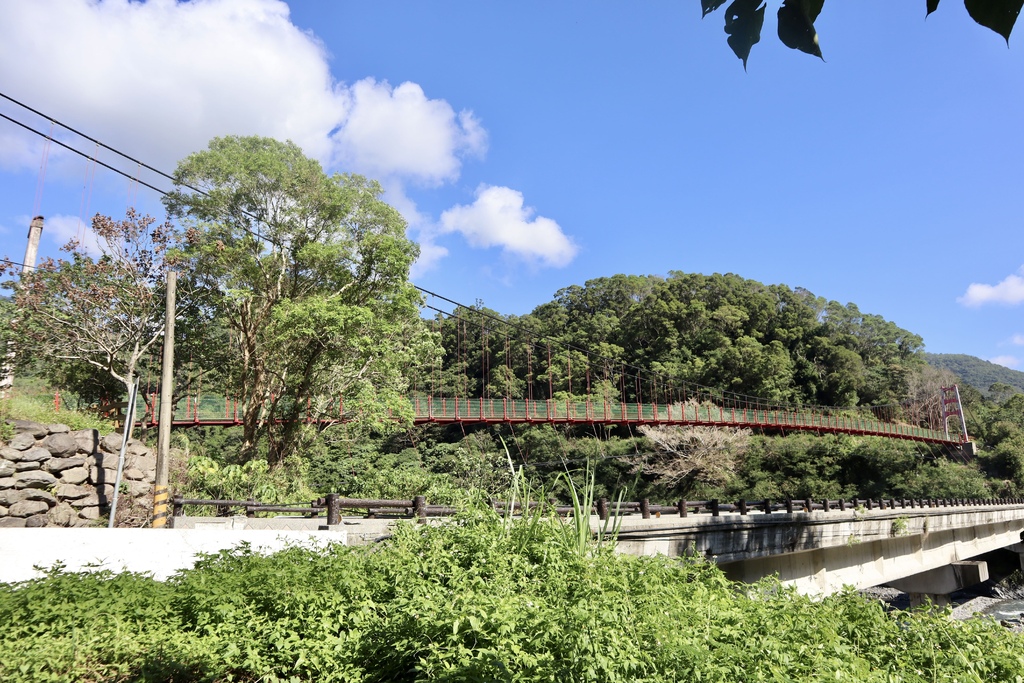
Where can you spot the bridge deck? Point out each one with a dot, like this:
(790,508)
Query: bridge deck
(446,410)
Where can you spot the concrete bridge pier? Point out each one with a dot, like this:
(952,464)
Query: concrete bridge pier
(1019,549)
(936,585)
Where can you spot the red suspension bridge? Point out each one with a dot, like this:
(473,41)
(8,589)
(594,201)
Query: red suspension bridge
(699,411)
(449,393)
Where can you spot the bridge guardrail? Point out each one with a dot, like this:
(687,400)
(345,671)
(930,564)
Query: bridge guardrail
(224,411)
(334,505)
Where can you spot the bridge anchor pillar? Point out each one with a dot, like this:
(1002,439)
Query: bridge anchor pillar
(1019,549)
(935,585)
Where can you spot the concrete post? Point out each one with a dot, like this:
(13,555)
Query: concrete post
(935,585)
(35,231)
(160,493)
(1019,549)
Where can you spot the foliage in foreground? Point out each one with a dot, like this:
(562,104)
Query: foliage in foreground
(479,600)
(744,20)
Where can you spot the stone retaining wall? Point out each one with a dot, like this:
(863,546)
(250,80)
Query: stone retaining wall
(52,476)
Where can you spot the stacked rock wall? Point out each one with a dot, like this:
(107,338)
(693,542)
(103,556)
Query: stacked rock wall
(52,476)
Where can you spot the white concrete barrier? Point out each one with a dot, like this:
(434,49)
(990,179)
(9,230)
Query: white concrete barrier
(161,552)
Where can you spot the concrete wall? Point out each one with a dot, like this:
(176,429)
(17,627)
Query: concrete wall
(161,552)
(357,530)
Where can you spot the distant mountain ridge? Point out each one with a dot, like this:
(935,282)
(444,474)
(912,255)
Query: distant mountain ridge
(980,374)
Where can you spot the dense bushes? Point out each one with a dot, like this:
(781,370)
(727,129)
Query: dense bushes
(479,600)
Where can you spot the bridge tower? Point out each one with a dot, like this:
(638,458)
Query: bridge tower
(951,407)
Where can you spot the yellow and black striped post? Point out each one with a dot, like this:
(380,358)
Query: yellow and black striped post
(160,498)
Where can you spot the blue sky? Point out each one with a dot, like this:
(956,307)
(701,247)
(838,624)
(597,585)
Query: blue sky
(536,145)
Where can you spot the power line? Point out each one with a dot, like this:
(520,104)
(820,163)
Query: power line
(81,154)
(141,164)
(90,139)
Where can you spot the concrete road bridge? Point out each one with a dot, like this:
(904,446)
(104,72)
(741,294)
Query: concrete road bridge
(919,550)
(922,547)
(919,546)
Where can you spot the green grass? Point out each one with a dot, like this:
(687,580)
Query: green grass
(38,408)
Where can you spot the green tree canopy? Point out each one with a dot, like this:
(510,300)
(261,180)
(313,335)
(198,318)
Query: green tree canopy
(309,272)
(733,334)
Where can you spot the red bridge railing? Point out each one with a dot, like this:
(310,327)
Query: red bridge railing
(218,411)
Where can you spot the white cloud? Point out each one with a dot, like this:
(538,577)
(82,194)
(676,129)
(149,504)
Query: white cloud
(498,219)
(398,131)
(1010,292)
(160,79)
(431,254)
(19,151)
(420,226)
(1017,340)
(61,229)
(1006,361)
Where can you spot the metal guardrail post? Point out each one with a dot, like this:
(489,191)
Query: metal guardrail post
(602,508)
(419,507)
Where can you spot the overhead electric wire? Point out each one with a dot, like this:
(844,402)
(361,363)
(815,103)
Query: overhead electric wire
(118,152)
(90,139)
(141,164)
(6,260)
(83,154)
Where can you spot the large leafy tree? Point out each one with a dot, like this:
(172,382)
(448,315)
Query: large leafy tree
(309,273)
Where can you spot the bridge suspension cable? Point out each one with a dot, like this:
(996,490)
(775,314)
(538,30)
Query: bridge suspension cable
(661,388)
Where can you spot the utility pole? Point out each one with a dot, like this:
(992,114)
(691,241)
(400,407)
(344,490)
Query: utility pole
(35,231)
(160,493)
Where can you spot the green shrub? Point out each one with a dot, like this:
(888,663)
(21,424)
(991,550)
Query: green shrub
(207,478)
(481,599)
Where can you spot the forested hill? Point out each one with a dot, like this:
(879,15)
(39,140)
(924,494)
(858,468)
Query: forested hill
(722,331)
(980,374)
